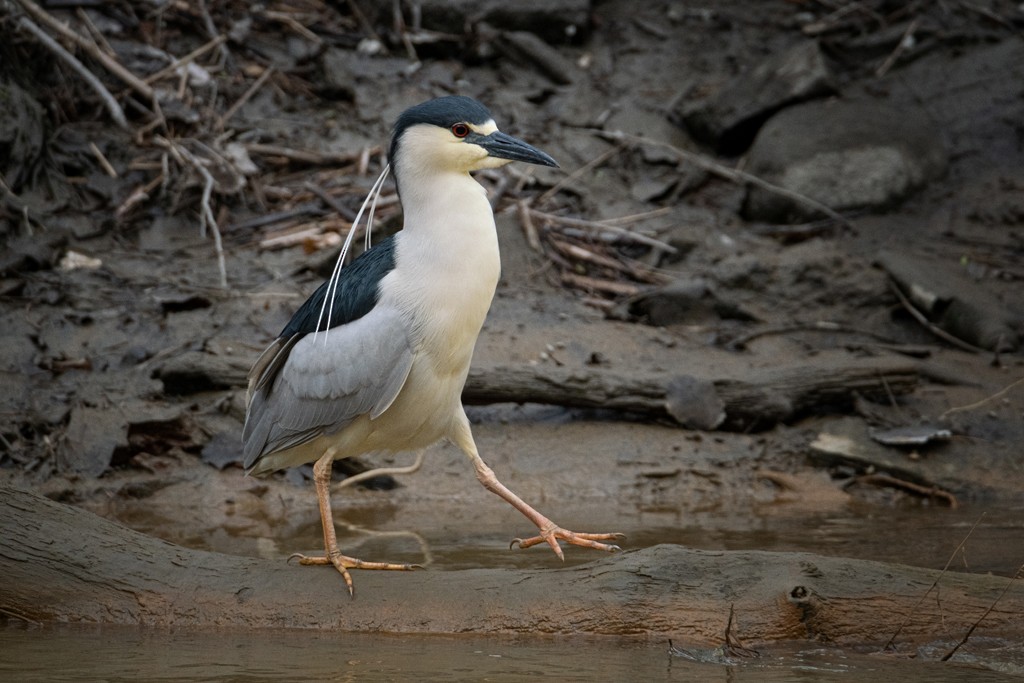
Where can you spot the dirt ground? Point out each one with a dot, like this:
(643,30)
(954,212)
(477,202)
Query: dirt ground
(107,276)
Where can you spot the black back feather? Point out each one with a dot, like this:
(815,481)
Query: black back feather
(355,296)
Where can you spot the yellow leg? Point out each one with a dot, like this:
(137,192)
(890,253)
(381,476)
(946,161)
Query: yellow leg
(333,556)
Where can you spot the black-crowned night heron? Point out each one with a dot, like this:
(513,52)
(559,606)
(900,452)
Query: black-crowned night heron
(376,359)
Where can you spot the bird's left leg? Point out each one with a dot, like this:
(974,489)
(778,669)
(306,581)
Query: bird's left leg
(550,532)
(333,556)
(383,472)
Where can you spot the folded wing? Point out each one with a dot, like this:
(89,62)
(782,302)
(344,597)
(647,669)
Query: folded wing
(304,386)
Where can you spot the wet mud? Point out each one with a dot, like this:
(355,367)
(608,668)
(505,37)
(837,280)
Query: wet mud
(107,279)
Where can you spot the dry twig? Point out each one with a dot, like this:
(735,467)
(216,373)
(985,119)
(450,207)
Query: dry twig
(732,174)
(173,67)
(304,156)
(929,325)
(891,642)
(246,96)
(113,108)
(138,195)
(342,210)
(590,165)
(613,287)
(104,163)
(529,229)
(112,65)
(963,641)
(212,32)
(977,404)
(317,235)
(909,486)
(292,23)
(906,42)
(594,226)
(206,216)
(94,31)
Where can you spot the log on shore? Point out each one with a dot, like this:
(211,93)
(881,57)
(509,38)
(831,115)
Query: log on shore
(63,564)
(760,401)
(827,383)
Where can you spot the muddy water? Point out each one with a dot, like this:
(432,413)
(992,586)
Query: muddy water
(916,536)
(75,653)
(912,535)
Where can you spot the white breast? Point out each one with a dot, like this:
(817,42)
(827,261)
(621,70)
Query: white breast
(447,268)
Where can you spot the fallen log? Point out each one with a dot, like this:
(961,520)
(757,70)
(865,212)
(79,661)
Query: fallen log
(760,401)
(61,564)
(826,383)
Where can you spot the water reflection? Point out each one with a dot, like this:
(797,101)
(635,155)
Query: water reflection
(922,537)
(80,653)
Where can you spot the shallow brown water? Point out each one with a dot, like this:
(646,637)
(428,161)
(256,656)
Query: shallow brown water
(912,535)
(83,653)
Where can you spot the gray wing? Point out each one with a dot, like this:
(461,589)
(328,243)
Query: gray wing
(308,385)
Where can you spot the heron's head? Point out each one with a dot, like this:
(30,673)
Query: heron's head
(454,134)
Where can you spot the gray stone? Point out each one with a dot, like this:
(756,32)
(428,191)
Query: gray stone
(92,436)
(729,118)
(846,155)
(339,79)
(954,302)
(694,403)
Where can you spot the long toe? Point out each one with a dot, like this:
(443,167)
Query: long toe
(343,563)
(352,562)
(585,540)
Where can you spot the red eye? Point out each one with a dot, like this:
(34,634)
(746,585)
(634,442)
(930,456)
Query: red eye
(460,130)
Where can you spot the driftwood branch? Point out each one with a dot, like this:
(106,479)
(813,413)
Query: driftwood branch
(60,563)
(732,174)
(757,402)
(92,49)
(824,384)
(113,108)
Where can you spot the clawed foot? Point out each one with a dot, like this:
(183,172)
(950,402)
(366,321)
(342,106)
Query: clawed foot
(553,534)
(343,563)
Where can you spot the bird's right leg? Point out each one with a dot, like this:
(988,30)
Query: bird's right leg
(333,556)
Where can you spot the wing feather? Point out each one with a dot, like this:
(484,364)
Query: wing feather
(308,385)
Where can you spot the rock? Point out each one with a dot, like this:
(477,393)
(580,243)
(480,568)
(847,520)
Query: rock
(846,441)
(846,155)
(670,173)
(729,119)
(338,81)
(694,403)
(912,436)
(92,436)
(650,188)
(954,302)
(98,438)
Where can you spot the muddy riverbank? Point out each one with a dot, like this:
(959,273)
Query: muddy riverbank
(108,281)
